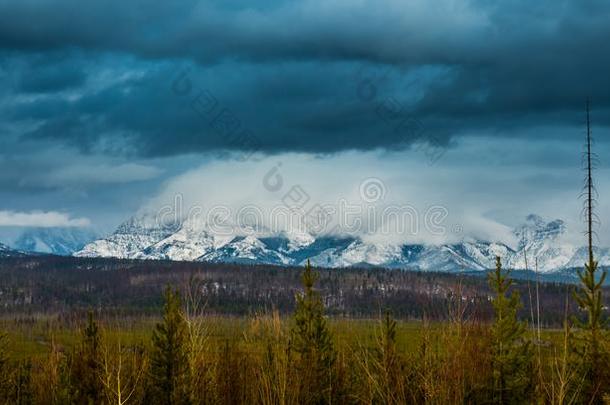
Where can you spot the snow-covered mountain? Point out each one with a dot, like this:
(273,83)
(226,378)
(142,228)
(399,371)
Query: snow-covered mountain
(141,238)
(129,240)
(57,241)
(6,251)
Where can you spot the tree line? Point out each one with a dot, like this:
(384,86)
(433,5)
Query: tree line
(68,287)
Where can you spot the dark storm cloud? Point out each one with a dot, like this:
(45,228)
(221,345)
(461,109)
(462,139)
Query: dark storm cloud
(144,114)
(50,79)
(292,73)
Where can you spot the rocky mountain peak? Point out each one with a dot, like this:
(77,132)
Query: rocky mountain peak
(141,238)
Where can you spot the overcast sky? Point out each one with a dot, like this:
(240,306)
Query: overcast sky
(110,106)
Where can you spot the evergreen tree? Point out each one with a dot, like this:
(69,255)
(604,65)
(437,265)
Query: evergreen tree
(311,340)
(86,366)
(169,365)
(590,348)
(389,362)
(510,352)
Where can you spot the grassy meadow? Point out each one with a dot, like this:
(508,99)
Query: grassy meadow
(46,342)
(34,337)
(187,355)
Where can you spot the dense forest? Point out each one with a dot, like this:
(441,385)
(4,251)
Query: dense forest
(67,286)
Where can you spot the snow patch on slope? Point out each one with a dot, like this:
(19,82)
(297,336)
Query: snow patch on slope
(140,238)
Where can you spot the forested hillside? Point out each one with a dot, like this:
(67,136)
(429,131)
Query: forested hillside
(64,285)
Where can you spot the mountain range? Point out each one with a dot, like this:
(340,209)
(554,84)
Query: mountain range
(62,241)
(141,238)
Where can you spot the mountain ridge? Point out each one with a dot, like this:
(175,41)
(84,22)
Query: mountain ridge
(141,238)
(6,251)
